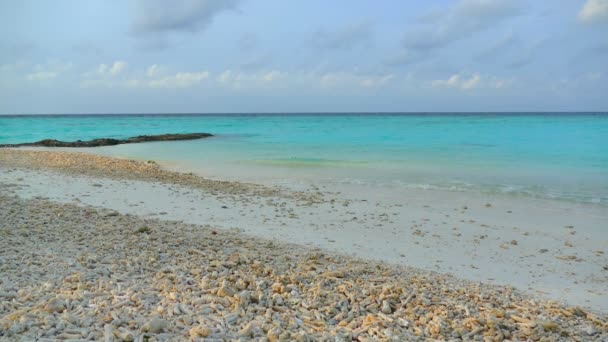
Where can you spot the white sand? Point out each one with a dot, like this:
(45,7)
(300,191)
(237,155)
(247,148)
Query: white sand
(425,229)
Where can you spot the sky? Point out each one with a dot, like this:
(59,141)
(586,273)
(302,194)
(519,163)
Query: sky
(215,56)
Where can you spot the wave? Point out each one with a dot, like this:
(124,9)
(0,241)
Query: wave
(309,162)
(535,191)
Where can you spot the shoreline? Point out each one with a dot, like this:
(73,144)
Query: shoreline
(260,177)
(288,216)
(82,163)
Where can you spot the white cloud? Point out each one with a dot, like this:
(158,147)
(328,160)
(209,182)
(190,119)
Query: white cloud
(352,79)
(105,76)
(309,80)
(152,70)
(274,75)
(499,84)
(594,11)
(457,81)
(117,67)
(373,82)
(11,67)
(225,76)
(179,80)
(453,81)
(333,79)
(471,82)
(43,73)
(41,76)
(113,69)
(114,76)
(240,80)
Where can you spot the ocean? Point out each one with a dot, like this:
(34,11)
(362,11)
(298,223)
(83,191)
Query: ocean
(561,156)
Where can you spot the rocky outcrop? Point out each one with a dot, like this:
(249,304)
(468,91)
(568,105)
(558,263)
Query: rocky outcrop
(111,141)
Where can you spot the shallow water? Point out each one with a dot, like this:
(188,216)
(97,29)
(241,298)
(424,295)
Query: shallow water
(548,155)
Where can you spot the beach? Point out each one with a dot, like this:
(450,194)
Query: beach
(133,249)
(206,170)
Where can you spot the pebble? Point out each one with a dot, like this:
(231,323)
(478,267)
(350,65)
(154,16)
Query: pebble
(199,331)
(590,330)
(55,305)
(85,275)
(190,283)
(155,326)
(386,307)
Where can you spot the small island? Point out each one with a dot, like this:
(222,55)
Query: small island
(112,141)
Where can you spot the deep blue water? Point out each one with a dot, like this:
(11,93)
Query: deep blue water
(552,155)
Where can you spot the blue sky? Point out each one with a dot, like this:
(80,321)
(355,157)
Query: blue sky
(115,56)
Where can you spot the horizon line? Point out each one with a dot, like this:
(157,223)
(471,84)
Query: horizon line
(306,113)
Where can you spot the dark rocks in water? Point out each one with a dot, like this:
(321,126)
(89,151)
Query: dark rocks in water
(169,137)
(112,142)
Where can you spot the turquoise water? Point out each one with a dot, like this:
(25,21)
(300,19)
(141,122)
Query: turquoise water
(562,156)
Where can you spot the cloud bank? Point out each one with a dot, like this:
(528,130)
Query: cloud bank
(446,25)
(154,16)
(594,11)
(344,38)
